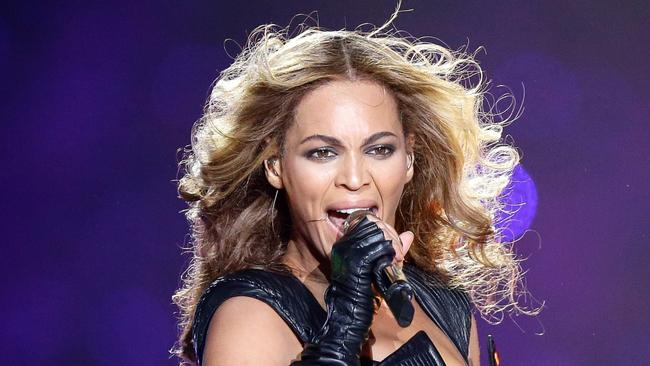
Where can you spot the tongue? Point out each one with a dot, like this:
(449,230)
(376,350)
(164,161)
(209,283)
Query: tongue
(337,218)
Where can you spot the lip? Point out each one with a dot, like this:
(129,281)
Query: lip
(342,205)
(352,204)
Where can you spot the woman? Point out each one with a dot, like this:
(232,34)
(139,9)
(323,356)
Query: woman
(300,132)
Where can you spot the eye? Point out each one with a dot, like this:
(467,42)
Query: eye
(381,151)
(322,153)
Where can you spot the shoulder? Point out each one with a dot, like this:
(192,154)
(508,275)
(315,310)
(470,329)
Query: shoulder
(234,298)
(242,324)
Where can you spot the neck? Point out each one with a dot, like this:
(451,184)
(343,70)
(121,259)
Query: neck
(305,264)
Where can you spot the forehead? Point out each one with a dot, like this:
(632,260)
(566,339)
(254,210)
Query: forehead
(346,110)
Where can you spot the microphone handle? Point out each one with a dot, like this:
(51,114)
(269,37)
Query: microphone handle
(390,280)
(397,291)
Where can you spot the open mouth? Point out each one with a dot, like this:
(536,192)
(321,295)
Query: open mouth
(338,217)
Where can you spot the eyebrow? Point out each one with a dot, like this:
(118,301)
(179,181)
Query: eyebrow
(334,141)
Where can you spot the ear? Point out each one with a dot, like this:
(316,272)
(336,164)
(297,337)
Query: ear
(410,157)
(273,171)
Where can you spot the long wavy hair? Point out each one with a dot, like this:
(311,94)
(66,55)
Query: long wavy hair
(462,164)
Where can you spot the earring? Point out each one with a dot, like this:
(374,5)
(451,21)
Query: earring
(270,164)
(272,211)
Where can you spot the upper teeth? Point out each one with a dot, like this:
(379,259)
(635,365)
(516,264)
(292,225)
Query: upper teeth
(351,210)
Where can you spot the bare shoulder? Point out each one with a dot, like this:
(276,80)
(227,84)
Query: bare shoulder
(246,331)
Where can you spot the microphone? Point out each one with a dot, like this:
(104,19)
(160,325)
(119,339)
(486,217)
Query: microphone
(393,285)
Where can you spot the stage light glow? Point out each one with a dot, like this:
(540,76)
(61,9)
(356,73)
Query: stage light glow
(520,206)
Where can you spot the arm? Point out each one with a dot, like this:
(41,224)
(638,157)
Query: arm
(474,355)
(245,331)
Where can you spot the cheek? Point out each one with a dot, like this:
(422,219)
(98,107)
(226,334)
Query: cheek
(391,193)
(390,180)
(306,184)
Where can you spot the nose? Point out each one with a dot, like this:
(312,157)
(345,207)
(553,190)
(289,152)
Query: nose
(353,173)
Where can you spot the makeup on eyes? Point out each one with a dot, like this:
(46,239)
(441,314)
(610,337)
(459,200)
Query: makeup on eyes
(311,154)
(389,149)
(331,152)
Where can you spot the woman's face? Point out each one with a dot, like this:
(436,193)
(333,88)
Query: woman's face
(345,150)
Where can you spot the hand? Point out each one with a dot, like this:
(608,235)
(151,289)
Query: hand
(355,258)
(401,243)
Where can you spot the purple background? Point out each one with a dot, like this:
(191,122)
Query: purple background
(97,98)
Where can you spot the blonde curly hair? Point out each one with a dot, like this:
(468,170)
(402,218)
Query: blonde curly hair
(461,162)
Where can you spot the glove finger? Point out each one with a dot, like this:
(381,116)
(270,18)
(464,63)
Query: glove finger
(380,278)
(383,248)
(365,230)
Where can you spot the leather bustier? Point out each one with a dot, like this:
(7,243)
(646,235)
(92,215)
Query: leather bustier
(449,309)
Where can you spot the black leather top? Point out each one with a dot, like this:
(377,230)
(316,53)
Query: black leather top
(449,309)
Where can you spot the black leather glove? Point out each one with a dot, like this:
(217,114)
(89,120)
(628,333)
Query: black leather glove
(349,296)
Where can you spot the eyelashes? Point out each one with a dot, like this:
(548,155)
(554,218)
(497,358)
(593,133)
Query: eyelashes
(327,153)
(322,153)
(382,150)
